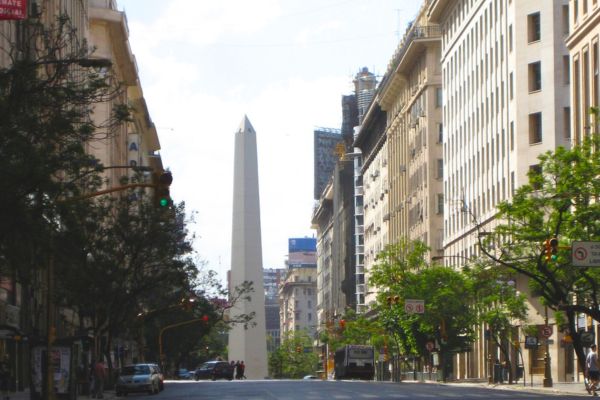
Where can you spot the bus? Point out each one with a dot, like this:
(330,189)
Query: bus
(354,362)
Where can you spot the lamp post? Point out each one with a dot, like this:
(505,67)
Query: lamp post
(547,370)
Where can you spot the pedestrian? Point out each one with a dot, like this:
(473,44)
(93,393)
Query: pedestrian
(4,379)
(238,370)
(99,374)
(242,369)
(592,371)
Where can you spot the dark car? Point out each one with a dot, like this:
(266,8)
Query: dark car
(183,373)
(214,370)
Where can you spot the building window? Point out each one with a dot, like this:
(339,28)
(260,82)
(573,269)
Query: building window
(297,315)
(565,20)
(440,203)
(567,122)
(566,70)
(510,38)
(439,97)
(309,304)
(535,128)
(596,80)
(533,27)
(511,85)
(535,76)
(512,183)
(440,138)
(440,168)
(309,316)
(576,99)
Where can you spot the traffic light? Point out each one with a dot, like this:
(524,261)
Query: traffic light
(551,249)
(391,300)
(162,195)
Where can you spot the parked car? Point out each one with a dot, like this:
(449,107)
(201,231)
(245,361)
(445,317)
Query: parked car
(214,370)
(161,377)
(138,378)
(183,373)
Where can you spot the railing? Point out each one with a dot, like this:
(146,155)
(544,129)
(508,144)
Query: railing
(416,32)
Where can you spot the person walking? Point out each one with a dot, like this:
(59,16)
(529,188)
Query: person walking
(99,374)
(237,370)
(592,371)
(242,370)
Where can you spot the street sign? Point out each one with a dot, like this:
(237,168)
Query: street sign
(585,254)
(412,306)
(587,338)
(531,342)
(546,331)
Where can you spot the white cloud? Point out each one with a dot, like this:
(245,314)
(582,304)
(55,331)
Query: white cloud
(205,22)
(318,33)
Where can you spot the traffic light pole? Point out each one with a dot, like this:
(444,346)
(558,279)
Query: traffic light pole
(111,190)
(50,326)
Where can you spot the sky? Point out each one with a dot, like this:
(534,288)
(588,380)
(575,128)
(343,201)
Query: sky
(285,64)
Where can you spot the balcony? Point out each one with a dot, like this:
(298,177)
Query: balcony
(405,52)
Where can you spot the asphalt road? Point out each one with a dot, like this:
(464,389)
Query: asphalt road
(331,390)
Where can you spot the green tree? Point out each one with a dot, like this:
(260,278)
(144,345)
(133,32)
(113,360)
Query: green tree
(560,201)
(402,273)
(290,360)
(47,95)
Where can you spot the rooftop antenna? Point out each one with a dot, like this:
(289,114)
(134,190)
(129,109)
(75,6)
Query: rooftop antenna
(398,33)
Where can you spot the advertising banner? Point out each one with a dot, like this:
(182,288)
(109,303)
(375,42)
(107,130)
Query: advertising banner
(13,9)
(61,368)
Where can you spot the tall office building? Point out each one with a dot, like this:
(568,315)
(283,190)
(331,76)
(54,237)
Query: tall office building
(506,91)
(273,277)
(298,292)
(326,140)
(249,344)
(365,84)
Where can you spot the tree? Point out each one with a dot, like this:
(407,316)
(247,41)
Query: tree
(290,360)
(498,303)
(560,201)
(456,301)
(401,273)
(47,94)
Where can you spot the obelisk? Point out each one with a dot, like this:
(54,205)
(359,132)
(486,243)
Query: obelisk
(248,345)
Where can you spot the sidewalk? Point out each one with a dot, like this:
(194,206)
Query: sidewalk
(108,395)
(566,388)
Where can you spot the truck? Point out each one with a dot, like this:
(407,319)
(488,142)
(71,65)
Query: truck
(354,361)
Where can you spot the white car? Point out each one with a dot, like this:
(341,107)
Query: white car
(138,378)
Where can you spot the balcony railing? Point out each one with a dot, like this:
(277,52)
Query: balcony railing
(415,32)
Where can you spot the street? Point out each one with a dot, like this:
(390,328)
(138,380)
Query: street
(316,390)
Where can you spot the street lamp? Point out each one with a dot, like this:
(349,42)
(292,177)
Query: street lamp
(547,370)
(204,319)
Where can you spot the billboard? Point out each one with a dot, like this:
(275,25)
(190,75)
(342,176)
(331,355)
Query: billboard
(299,245)
(13,9)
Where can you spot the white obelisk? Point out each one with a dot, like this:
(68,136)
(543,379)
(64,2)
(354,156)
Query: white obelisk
(248,345)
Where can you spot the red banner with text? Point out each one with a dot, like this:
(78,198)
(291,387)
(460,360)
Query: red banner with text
(13,9)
